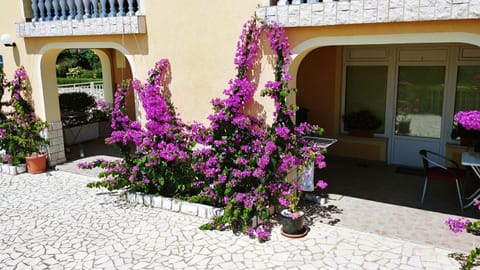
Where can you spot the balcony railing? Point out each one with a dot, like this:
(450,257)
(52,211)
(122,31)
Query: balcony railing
(82,18)
(294,13)
(52,10)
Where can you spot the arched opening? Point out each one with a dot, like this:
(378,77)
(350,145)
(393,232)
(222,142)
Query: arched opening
(82,141)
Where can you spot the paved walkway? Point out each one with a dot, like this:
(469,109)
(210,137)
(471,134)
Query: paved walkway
(52,220)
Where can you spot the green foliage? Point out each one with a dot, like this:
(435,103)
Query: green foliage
(471,260)
(20,128)
(85,59)
(76,102)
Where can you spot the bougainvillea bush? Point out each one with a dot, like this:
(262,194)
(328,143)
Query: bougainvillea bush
(245,161)
(20,128)
(458,225)
(240,162)
(156,158)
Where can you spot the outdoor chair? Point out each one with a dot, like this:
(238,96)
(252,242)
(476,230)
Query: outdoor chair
(435,170)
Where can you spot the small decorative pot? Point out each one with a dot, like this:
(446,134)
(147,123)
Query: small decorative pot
(37,163)
(292,226)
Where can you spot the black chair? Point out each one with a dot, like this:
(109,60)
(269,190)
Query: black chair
(448,172)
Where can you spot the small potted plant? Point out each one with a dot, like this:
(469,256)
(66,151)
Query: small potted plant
(361,123)
(291,217)
(467,127)
(23,127)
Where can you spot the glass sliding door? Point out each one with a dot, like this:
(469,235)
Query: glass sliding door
(418,113)
(420,101)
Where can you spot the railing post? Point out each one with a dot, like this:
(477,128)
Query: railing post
(130,8)
(79,7)
(103,4)
(48,8)
(112,8)
(56,9)
(121,9)
(86,6)
(35,10)
(95,8)
(41,7)
(63,7)
(71,9)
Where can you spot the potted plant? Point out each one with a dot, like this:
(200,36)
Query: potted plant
(23,137)
(291,217)
(361,123)
(467,127)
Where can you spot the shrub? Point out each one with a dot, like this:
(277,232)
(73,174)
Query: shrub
(20,128)
(361,120)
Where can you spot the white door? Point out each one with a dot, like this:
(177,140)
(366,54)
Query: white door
(418,113)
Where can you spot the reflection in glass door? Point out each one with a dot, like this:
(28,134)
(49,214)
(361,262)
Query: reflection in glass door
(420,101)
(418,115)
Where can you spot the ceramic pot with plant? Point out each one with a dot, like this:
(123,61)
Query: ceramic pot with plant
(291,218)
(361,123)
(467,127)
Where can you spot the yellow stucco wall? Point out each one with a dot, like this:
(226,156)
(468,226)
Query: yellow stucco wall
(199,38)
(318,87)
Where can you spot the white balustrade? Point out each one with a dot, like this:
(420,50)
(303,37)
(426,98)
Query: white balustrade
(48,10)
(94,89)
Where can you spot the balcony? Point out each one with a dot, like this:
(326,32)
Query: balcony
(45,18)
(294,13)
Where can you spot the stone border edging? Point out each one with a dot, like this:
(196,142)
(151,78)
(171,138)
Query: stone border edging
(175,205)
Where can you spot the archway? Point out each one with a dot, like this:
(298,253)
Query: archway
(116,66)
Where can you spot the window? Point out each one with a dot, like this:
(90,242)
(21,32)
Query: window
(467,96)
(366,89)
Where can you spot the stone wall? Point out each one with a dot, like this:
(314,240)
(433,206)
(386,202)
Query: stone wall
(94,26)
(56,149)
(331,12)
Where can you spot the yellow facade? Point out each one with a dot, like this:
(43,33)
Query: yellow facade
(199,38)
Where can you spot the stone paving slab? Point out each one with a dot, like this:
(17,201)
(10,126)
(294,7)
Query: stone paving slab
(53,221)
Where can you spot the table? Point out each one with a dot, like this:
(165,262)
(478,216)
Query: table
(472,159)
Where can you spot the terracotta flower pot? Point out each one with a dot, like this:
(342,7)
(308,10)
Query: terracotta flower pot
(37,163)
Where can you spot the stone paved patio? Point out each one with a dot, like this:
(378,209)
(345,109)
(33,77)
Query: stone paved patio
(53,221)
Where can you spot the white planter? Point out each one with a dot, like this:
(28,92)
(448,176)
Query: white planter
(4,168)
(21,168)
(147,199)
(157,201)
(131,197)
(79,134)
(139,197)
(11,169)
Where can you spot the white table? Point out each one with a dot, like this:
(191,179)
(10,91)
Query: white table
(472,159)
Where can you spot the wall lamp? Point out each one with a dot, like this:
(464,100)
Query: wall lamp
(7,41)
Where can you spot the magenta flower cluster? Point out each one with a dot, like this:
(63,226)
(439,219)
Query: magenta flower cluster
(20,128)
(240,163)
(457,225)
(158,164)
(245,161)
(470,120)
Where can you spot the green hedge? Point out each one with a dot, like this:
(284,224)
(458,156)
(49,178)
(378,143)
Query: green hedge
(76,80)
